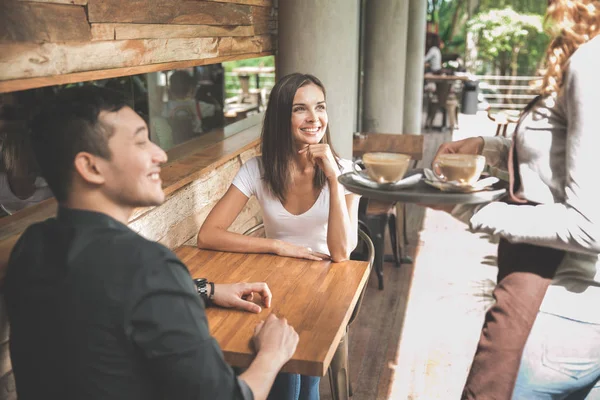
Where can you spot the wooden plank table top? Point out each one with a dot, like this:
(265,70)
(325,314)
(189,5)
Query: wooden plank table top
(390,143)
(316,297)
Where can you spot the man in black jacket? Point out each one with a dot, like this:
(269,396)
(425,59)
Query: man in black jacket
(98,312)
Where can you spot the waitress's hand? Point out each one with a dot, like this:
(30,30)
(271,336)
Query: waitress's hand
(321,155)
(286,249)
(473,145)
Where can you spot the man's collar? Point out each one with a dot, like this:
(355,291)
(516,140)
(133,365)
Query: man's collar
(87,217)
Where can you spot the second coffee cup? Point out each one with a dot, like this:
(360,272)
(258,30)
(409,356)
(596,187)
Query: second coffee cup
(464,169)
(386,167)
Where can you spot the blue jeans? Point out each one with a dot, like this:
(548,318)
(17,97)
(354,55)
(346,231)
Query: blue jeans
(561,360)
(295,387)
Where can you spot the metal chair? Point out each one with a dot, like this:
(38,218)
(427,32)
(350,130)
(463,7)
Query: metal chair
(338,368)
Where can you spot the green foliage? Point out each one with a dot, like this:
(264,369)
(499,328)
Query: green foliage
(232,83)
(501,33)
(520,6)
(268,61)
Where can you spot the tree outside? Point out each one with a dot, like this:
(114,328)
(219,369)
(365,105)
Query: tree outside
(508,42)
(492,27)
(232,83)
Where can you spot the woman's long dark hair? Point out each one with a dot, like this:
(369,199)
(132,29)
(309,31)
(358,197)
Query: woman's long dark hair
(277,144)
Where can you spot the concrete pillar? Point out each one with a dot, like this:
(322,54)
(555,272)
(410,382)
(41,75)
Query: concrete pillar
(384,65)
(320,37)
(415,52)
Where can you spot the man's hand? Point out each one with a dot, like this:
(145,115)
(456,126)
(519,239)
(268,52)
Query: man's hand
(473,145)
(275,338)
(240,295)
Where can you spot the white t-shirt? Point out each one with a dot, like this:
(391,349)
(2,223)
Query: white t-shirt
(12,203)
(308,229)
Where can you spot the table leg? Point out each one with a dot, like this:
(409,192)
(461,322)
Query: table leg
(377,225)
(405,259)
(498,130)
(338,371)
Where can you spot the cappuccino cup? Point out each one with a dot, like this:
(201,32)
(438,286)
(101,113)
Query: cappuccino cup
(463,169)
(386,167)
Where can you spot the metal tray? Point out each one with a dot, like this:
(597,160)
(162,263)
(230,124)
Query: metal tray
(423,193)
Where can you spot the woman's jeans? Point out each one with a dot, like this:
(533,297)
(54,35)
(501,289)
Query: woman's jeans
(561,360)
(295,387)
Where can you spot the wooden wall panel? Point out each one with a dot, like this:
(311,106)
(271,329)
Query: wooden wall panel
(32,60)
(30,83)
(57,38)
(166,31)
(31,22)
(260,3)
(168,12)
(180,217)
(76,2)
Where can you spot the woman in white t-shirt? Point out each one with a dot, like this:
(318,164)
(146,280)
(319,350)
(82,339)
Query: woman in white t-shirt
(306,212)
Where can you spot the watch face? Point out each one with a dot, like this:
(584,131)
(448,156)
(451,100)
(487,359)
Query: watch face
(200,281)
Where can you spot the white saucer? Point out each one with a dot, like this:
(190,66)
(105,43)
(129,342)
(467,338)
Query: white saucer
(483,184)
(361,178)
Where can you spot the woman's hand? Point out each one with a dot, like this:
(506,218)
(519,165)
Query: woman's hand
(240,296)
(473,145)
(321,155)
(285,249)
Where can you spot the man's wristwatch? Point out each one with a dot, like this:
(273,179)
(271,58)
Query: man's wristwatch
(201,288)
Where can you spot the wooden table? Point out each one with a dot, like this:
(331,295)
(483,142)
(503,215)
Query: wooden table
(316,297)
(390,143)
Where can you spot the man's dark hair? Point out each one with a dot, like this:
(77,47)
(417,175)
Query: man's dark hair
(67,125)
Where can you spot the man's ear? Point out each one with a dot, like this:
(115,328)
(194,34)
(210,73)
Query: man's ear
(86,165)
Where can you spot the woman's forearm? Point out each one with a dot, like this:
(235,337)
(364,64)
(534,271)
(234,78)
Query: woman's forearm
(340,237)
(220,239)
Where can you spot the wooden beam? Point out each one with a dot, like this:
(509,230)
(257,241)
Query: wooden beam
(74,2)
(169,12)
(165,31)
(32,60)
(263,20)
(36,22)
(241,45)
(18,61)
(30,83)
(259,3)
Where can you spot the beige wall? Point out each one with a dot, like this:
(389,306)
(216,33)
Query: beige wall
(320,37)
